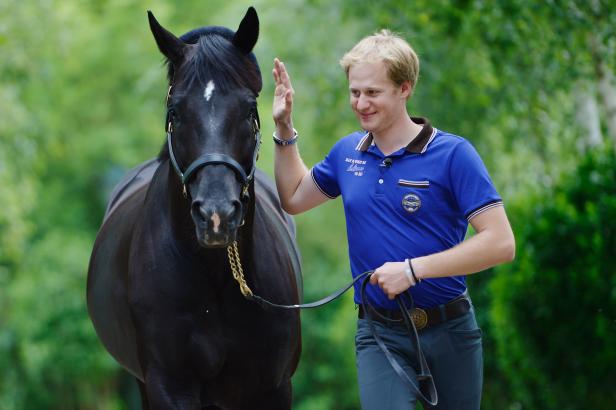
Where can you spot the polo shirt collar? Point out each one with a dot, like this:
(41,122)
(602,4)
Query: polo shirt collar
(417,146)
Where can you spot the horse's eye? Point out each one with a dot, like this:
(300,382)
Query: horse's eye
(252,117)
(173,115)
(254,124)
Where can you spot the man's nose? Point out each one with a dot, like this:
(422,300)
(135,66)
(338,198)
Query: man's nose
(362,102)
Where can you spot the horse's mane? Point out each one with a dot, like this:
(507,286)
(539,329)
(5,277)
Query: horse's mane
(217,59)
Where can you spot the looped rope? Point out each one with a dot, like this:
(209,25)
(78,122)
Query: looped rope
(424,376)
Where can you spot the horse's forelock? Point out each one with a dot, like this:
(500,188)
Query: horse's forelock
(217,58)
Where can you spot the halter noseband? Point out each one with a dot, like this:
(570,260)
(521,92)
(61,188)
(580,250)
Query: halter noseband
(215,158)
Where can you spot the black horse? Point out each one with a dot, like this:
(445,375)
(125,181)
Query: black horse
(161,292)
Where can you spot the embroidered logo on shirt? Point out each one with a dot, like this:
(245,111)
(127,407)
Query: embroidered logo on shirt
(411,203)
(356,166)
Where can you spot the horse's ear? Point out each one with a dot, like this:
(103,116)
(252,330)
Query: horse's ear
(248,32)
(168,44)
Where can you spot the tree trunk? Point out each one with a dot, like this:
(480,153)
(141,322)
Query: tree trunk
(587,115)
(607,93)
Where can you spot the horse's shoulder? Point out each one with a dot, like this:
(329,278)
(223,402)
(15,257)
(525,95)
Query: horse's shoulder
(267,197)
(134,180)
(269,211)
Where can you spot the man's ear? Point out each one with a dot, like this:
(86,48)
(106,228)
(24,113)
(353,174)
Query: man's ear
(406,89)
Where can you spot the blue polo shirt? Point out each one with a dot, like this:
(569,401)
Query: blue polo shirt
(414,202)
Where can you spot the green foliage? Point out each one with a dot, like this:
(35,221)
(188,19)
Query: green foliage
(54,348)
(554,311)
(64,98)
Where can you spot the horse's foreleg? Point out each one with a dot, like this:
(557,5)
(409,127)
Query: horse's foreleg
(166,392)
(143,394)
(279,398)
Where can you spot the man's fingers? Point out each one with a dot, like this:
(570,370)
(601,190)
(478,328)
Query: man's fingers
(284,75)
(282,81)
(374,279)
(279,71)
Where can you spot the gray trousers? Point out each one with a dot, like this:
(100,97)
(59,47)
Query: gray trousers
(453,350)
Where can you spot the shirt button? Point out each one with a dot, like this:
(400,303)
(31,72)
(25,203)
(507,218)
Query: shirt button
(381,181)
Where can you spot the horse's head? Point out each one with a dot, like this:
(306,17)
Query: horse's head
(212,122)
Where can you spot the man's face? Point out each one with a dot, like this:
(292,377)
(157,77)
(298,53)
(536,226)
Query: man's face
(377,102)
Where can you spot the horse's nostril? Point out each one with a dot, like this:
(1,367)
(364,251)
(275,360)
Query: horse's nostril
(197,210)
(217,217)
(236,209)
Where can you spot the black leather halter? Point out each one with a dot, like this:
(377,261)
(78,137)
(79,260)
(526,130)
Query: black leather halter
(215,158)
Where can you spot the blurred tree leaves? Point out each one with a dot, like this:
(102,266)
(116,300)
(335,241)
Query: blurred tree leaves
(65,123)
(554,311)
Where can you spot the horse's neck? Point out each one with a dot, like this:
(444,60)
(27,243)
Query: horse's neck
(173,209)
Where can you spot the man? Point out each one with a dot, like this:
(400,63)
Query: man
(409,192)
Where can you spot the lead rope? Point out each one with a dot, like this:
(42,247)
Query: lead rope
(236,269)
(423,377)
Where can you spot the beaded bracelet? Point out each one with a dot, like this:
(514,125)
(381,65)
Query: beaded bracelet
(284,143)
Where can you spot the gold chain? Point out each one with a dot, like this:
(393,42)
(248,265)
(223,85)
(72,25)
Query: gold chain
(236,268)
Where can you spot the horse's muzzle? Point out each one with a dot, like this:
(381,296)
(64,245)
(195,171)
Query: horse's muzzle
(216,225)
(215,241)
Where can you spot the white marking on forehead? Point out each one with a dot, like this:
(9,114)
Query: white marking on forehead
(209,89)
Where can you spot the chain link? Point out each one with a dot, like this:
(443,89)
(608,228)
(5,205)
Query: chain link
(236,269)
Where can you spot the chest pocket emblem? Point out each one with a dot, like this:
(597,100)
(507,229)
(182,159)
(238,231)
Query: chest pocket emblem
(411,203)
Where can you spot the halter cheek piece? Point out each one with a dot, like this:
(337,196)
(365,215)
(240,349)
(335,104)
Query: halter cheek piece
(215,159)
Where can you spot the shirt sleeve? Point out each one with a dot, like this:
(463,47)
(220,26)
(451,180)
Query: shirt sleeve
(472,186)
(325,174)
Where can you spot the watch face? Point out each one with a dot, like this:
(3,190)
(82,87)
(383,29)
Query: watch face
(411,203)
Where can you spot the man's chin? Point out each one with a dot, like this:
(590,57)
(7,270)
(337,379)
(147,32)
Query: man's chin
(368,125)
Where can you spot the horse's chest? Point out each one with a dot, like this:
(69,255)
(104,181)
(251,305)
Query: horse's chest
(222,339)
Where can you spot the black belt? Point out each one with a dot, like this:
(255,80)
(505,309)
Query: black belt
(422,318)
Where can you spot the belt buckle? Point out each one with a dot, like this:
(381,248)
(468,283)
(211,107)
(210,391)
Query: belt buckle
(419,317)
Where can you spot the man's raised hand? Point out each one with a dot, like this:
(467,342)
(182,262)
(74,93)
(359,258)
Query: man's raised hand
(283,100)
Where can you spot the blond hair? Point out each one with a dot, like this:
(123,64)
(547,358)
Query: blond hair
(398,56)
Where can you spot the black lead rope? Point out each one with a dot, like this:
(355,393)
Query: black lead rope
(266,303)
(424,376)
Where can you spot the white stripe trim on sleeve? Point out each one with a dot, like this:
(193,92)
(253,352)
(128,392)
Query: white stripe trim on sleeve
(483,209)
(318,186)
